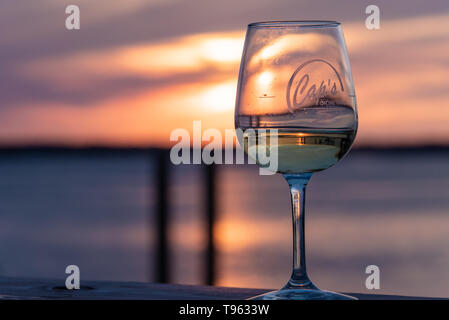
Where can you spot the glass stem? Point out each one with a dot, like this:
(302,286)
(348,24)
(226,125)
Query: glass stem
(299,278)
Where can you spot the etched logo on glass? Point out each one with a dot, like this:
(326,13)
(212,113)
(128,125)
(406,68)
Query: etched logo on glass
(313,84)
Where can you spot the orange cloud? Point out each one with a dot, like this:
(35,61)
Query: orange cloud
(401,85)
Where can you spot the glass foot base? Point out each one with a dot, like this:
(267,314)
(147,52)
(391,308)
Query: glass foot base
(302,294)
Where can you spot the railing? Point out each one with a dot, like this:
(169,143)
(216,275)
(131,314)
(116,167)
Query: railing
(163,217)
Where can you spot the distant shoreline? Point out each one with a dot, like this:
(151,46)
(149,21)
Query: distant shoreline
(110,150)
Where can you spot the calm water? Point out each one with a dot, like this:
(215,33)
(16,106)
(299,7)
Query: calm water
(387,209)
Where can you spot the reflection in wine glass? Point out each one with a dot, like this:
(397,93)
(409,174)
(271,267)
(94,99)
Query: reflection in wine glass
(296,100)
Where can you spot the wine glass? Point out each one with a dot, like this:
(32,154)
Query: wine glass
(296,101)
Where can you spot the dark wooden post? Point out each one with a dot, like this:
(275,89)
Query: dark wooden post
(210,221)
(162,260)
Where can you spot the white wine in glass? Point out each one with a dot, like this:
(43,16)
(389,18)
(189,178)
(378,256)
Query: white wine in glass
(300,150)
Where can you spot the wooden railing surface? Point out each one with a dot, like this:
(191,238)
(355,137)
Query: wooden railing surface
(44,289)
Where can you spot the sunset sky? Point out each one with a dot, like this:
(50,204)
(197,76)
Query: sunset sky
(138,69)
